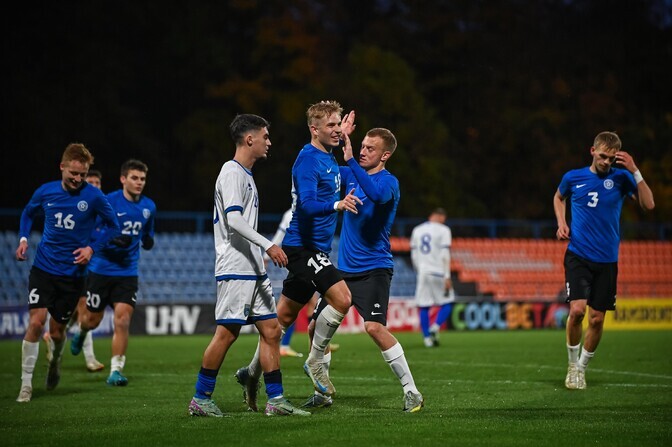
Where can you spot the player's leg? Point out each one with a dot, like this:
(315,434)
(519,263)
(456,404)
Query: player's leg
(269,347)
(287,311)
(423,316)
(213,357)
(371,296)
(285,348)
(318,399)
(578,280)
(123,312)
(64,301)
(92,364)
(98,292)
(603,299)
(441,317)
(30,349)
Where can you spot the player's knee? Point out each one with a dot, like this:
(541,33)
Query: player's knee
(374,329)
(596,320)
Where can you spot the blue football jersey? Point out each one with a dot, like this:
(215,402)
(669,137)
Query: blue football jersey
(69,219)
(596,204)
(136,220)
(316,185)
(365,237)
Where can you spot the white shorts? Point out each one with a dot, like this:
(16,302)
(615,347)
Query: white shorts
(430,290)
(244,301)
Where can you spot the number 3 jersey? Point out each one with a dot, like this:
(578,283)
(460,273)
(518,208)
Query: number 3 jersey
(136,220)
(69,219)
(596,203)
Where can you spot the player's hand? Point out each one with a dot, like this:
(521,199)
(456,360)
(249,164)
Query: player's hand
(21,251)
(624,159)
(122,241)
(277,255)
(349,202)
(348,123)
(563,232)
(83,255)
(347,148)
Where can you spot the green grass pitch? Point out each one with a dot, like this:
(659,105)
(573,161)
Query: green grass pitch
(480,388)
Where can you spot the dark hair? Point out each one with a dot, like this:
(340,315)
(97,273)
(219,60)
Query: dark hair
(243,124)
(94,173)
(133,164)
(440,211)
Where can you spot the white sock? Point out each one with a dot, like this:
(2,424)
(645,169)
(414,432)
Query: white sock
(434,328)
(326,361)
(397,360)
(573,353)
(87,347)
(325,327)
(29,352)
(585,358)
(254,368)
(72,327)
(117,363)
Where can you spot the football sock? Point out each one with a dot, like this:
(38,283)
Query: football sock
(325,327)
(29,352)
(423,312)
(573,353)
(117,363)
(254,368)
(287,336)
(88,347)
(205,383)
(443,315)
(326,361)
(273,382)
(585,358)
(397,360)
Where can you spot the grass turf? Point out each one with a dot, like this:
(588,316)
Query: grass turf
(480,388)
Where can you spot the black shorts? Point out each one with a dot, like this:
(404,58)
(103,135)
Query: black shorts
(58,294)
(309,271)
(103,291)
(370,294)
(591,281)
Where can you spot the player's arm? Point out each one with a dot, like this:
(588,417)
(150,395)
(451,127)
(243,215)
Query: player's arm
(112,230)
(414,251)
(26,224)
(644,193)
(147,238)
(560,208)
(240,226)
(379,193)
(306,185)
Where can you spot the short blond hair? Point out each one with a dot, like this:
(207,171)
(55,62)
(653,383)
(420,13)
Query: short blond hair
(321,110)
(607,140)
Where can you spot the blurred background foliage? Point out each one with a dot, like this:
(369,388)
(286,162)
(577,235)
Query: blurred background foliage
(491,101)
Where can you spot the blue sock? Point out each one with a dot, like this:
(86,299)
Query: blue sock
(443,314)
(273,381)
(424,320)
(205,385)
(288,335)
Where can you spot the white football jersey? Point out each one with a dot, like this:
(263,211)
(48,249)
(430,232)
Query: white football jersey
(430,248)
(236,257)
